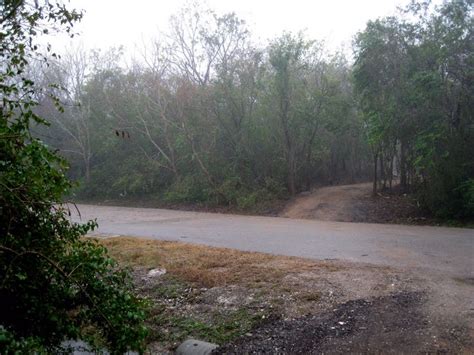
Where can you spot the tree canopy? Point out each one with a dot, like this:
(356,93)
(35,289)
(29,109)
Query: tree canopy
(208,116)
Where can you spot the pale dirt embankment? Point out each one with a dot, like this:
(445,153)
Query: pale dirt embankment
(333,203)
(356,203)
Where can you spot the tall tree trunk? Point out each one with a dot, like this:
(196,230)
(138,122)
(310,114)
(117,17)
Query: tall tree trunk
(374,188)
(391,173)
(383,178)
(308,159)
(87,168)
(291,173)
(403,166)
(308,170)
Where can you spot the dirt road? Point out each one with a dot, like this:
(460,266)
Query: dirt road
(333,203)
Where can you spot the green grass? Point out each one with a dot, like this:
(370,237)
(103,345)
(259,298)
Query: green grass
(218,327)
(222,328)
(172,289)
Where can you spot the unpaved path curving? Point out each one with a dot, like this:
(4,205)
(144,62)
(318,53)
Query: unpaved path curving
(333,203)
(355,203)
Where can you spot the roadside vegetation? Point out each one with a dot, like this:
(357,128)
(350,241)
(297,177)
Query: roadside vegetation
(206,116)
(414,80)
(54,285)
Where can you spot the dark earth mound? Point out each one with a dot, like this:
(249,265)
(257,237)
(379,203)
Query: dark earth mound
(391,324)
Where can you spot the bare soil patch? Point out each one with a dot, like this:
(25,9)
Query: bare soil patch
(349,328)
(260,303)
(355,203)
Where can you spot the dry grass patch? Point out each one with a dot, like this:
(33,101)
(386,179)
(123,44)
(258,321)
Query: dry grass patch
(219,295)
(208,266)
(214,294)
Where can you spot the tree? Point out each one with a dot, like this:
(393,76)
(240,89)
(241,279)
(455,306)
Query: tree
(69,74)
(54,285)
(380,74)
(443,83)
(199,118)
(413,75)
(302,89)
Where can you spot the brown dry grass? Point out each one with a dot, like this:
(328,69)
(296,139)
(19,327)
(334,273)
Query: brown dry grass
(208,266)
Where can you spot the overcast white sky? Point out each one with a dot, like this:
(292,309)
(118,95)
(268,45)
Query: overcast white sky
(119,22)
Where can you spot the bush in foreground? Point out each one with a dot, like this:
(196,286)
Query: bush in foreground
(54,284)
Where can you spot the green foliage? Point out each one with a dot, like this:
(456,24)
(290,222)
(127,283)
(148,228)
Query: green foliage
(261,198)
(54,284)
(248,201)
(230,190)
(187,189)
(108,180)
(208,129)
(466,190)
(12,344)
(447,188)
(414,79)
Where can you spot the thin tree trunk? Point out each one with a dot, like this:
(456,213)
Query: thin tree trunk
(308,171)
(383,178)
(87,169)
(291,173)
(374,188)
(403,168)
(391,172)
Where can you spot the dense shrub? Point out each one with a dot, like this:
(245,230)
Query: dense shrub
(188,189)
(54,284)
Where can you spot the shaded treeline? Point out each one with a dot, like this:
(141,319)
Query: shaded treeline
(206,115)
